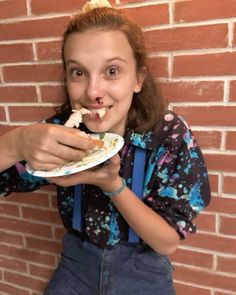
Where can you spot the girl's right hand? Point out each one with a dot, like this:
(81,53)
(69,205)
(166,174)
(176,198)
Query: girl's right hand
(47,146)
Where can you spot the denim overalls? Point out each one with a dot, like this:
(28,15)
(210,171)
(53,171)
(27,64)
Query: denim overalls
(128,268)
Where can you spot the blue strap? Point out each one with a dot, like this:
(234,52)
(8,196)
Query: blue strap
(137,183)
(77,220)
(137,188)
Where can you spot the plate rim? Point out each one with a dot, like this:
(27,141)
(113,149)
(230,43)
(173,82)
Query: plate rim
(65,172)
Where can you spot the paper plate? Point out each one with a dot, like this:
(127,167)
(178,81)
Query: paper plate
(112,144)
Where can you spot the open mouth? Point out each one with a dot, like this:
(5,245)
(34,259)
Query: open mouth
(98,112)
(77,116)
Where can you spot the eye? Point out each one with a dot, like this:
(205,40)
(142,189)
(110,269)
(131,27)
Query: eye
(112,72)
(75,73)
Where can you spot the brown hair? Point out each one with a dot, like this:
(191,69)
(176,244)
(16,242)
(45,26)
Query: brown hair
(147,105)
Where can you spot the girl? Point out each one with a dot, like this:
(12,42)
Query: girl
(137,206)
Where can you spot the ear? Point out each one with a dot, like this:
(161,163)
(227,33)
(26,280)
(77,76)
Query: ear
(141,75)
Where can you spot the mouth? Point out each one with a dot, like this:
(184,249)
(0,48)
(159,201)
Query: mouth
(96,112)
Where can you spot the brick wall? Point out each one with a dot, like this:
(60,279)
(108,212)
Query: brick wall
(192,49)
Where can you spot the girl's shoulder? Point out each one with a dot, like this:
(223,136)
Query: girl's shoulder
(172,127)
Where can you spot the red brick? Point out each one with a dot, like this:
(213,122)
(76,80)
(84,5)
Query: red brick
(225,163)
(211,242)
(25,227)
(227,226)
(158,66)
(12,8)
(52,94)
(24,281)
(229,185)
(211,36)
(214,183)
(32,73)
(28,255)
(33,29)
(182,289)
(157,14)
(195,10)
(50,50)
(193,91)
(9,289)
(232,94)
(2,114)
(208,139)
(205,278)
(59,232)
(226,264)
(209,115)
(9,209)
(46,246)
(18,114)
(43,215)
(231,140)
(222,205)
(206,222)
(35,198)
(13,239)
(45,6)
(16,53)
(13,264)
(18,94)
(192,258)
(205,65)
(40,271)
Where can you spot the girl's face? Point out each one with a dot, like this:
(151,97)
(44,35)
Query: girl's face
(101,73)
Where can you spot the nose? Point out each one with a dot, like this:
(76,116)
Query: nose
(95,89)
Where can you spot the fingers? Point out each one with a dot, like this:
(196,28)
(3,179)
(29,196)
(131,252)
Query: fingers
(115,160)
(73,179)
(101,176)
(75,138)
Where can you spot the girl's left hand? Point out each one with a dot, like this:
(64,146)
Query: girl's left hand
(106,176)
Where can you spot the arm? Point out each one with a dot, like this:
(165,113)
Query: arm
(8,151)
(44,146)
(148,225)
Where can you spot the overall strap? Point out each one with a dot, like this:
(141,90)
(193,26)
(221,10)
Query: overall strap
(77,218)
(137,188)
(137,183)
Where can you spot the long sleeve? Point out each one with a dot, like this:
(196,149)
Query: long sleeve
(178,187)
(16,179)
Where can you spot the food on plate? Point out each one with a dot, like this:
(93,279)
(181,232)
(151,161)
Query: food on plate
(76,118)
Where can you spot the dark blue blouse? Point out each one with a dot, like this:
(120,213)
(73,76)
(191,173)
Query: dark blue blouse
(176,184)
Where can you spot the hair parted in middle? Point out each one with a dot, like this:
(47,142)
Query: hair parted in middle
(147,105)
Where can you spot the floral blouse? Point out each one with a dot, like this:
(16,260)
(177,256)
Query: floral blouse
(176,183)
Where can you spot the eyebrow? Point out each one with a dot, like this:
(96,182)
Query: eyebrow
(106,60)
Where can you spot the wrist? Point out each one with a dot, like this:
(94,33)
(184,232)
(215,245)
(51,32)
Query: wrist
(118,190)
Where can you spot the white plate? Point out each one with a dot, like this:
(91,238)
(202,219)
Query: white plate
(112,144)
